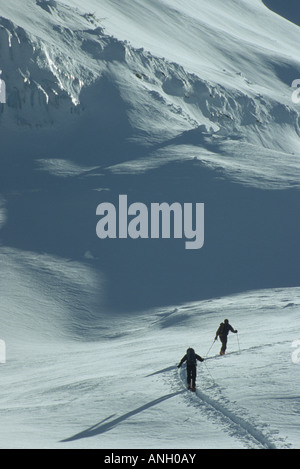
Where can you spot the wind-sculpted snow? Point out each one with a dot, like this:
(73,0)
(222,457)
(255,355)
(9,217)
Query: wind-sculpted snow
(149,102)
(45,78)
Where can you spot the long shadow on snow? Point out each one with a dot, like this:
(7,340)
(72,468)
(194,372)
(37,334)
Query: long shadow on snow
(101,427)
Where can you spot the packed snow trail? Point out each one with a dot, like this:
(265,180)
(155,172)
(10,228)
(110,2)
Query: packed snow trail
(231,420)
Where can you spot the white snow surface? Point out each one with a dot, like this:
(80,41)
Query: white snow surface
(160,99)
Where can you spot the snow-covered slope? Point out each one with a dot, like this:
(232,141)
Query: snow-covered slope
(163,101)
(123,390)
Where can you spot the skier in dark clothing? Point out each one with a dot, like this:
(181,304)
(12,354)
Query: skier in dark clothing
(191,367)
(223,332)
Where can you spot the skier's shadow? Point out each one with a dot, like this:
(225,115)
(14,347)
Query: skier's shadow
(102,427)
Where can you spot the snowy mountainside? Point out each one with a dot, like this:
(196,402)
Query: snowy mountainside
(123,390)
(40,70)
(50,71)
(163,101)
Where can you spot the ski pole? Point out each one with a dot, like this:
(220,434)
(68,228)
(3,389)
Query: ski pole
(209,372)
(237,336)
(210,347)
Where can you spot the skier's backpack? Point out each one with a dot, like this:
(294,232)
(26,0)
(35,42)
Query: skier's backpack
(221,329)
(190,357)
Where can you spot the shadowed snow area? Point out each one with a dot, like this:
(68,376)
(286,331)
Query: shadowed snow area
(162,101)
(288,9)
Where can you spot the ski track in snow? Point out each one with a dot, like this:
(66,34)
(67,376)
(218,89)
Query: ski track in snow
(216,407)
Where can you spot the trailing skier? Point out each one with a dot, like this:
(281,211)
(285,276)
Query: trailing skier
(191,367)
(222,333)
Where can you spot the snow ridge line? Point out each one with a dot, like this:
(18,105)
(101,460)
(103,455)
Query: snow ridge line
(217,406)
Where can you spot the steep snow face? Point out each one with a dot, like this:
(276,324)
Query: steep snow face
(162,100)
(54,71)
(41,73)
(246,44)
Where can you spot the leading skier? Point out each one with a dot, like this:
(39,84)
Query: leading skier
(222,333)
